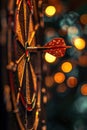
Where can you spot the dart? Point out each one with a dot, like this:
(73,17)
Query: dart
(56,47)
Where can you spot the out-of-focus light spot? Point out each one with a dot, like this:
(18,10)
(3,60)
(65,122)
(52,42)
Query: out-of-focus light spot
(50,58)
(50,33)
(61,88)
(73,32)
(59,77)
(66,67)
(49,81)
(83,19)
(45,99)
(80,105)
(82,60)
(50,11)
(63,25)
(62,32)
(84,89)
(72,82)
(43,90)
(79,43)
(71,17)
(68,20)
(44,127)
(79,124)
(43,121)
(6,90)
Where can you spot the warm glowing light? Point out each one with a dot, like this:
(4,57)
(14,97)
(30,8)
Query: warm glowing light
(49,81)
(84,89)
(83,19)
(45,99)
(43,90)
(50,11)
(79,43)
(66,67)
(83,60)
(61,88)
(72,82)
(73,30)
(59,77)
(50,58)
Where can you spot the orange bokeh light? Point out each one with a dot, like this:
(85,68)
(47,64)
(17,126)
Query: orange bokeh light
(61,88)
(83,19)
(66,67)
(84,89)
(49,81)
(72,82)
(59,77)
(82,60)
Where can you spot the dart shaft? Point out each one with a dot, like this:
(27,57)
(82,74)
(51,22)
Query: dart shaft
(46,48)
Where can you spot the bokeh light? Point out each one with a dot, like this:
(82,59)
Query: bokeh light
(71,17)
(83,19)
(79,43)
(45,99)
(80,105)
(59,77)
(72,82)
(49,58)
(50,33)
(66,67)
(61,88)
(49,81)
(50,11)
(82,60)
(73,32)
(84,89)
(43,90)
(63,25)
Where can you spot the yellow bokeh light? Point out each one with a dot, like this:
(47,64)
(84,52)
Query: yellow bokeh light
(59,77)
(66,67)
(50,11)
(84,89)
(79,43)
(50,58)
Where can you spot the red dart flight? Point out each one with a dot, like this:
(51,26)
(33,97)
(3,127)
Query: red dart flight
(56,47)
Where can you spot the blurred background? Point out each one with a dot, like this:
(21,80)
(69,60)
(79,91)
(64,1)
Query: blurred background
(64,80)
